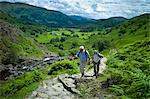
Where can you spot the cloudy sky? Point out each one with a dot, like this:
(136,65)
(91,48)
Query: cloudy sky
(97,9)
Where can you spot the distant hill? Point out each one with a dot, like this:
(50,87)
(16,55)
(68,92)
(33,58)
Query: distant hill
(103,23)
(39,15)
(82,19)
(27,27)
(110,21)
(53,18)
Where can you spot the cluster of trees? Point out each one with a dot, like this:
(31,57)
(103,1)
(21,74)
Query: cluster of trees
(101,45)
(89,29)
(57,39)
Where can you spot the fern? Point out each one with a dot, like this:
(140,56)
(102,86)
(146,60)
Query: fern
(129,69)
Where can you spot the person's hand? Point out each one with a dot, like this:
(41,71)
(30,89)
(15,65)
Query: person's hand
(75,56)
(88,63)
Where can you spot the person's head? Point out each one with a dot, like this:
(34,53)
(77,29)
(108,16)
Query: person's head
(95,51)
(81,48)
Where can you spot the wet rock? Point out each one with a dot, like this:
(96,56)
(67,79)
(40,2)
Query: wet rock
(23,66)
(3,74)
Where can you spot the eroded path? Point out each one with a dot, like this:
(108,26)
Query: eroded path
(63,86)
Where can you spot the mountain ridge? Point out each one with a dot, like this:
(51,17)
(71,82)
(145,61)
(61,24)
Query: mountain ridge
(44,16)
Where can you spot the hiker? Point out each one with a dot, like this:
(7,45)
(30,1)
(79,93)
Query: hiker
(96,62)
(84,57)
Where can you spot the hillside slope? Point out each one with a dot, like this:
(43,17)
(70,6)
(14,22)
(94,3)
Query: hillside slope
(128,51)
(127,48)
(39,15)
(135,29)
(14,45)
(52,18)
(29,28)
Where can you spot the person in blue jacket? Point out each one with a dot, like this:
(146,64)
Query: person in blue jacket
(84,57)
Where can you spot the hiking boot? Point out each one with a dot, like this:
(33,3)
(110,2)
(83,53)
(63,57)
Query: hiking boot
(82,75)
(96,76)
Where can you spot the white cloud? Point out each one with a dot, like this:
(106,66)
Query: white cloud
(94,8)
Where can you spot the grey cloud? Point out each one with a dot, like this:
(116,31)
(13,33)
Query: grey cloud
(94,8)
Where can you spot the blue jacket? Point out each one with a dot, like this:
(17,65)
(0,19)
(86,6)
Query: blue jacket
(83,55)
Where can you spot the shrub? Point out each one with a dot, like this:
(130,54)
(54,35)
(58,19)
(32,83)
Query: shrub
(32,33)
(36,35)
(101,45)
(62,39)
(74,44)
(61,53)
(53,40)
(65,66)
(61,46)
(122,31)
(75,35)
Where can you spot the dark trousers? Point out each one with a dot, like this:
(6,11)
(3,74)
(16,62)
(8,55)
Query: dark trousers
(96,68)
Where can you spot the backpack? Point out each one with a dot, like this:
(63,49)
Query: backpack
(86,53)
(100,56)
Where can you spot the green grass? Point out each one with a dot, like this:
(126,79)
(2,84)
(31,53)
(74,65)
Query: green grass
(22,86)
(127,53)
(127,74)
(66,66)
(23,93)
(45,37)
(128,68)
(69,44)
(15,44)
(87,39)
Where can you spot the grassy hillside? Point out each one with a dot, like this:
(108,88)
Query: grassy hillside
(102,24)
(128,51)
(135,29)
(39,15)
(14,45)
(128,70)
(29,28)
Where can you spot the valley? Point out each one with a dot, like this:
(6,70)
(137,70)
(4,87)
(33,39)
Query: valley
(39,45)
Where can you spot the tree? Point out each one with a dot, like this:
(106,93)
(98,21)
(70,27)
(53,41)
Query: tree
(62,39)
(74,44)
(101,45)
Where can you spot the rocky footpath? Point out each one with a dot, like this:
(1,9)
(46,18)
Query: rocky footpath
(63,86)
(52,89)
